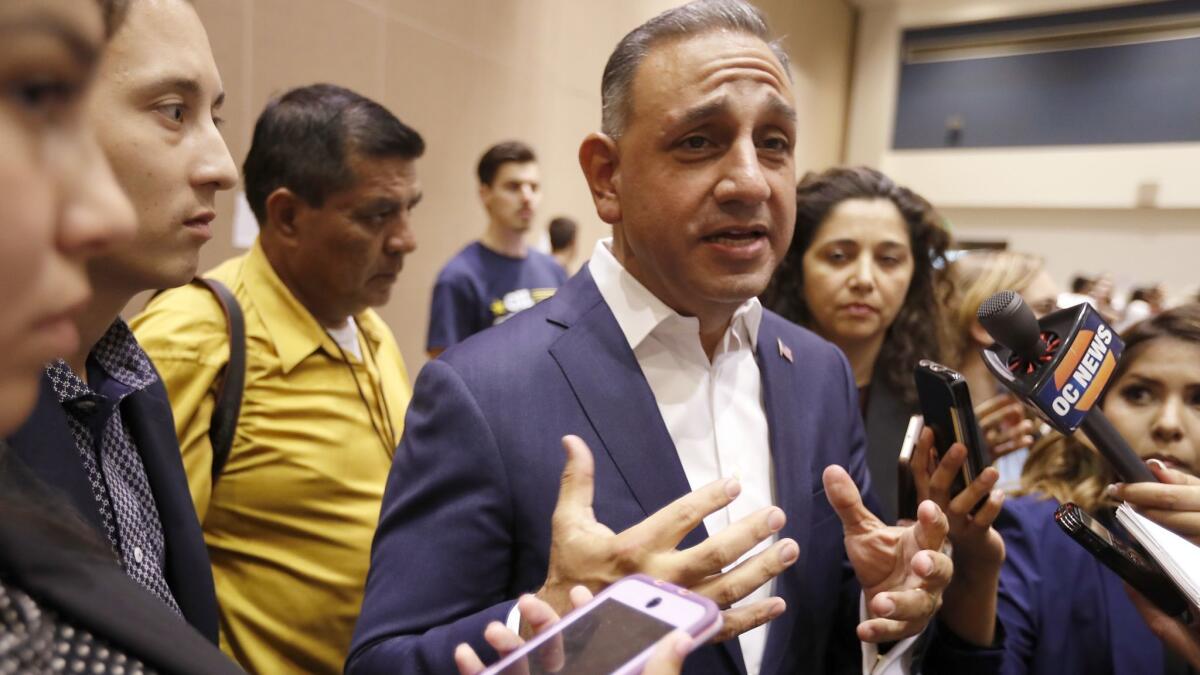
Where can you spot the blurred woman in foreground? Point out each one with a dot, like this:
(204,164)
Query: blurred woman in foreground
(67,605)
(1063,611)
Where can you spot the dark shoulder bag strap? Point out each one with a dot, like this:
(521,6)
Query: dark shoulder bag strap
(229,394)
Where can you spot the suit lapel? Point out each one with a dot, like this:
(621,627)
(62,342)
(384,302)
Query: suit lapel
(148,417)
(791,468)
(616,398)
(606,379)
(887,421)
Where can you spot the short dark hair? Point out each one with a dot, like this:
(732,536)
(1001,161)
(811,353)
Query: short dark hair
(562,233)
(694,18)
(304,139)
(114,12)
(914,334)
(501,154)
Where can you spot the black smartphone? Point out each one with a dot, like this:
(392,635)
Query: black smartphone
(1136,569)
(906,501)
(946,408)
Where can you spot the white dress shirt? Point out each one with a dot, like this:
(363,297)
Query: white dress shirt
(713,411)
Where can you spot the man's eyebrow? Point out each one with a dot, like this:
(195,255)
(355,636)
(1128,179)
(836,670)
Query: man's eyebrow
(85,52)
(780,107)
(777,106)
(703,112)
(391,202)
(185,85)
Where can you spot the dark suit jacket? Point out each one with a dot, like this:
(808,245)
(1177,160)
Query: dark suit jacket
(465,524)
(42,554)
(1064,613)
(45,445)
(887,420)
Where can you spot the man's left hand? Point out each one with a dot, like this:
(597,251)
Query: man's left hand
(902,570)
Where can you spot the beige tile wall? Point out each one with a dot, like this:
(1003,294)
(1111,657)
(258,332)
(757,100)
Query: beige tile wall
(468,73)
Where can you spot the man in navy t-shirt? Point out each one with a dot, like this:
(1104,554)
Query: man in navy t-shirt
(494,278)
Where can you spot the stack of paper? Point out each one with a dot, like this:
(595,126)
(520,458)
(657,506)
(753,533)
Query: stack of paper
(1178,557)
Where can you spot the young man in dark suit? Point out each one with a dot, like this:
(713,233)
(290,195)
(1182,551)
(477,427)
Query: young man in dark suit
(102,431)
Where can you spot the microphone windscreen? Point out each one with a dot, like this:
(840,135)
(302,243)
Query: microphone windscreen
(1011,322)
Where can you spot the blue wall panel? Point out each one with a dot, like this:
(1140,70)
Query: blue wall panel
(1140,93)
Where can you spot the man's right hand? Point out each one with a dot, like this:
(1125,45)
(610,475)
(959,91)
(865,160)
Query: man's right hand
(585,552)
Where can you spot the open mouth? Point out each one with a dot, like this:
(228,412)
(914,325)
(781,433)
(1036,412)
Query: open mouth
(737,237)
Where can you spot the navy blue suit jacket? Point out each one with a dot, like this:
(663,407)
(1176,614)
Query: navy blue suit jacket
(45,445)
(1064,613)
(465,523)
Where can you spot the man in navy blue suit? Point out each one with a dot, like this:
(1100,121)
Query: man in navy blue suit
(728,446)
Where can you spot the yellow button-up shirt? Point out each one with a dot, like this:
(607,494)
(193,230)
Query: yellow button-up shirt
(290,522)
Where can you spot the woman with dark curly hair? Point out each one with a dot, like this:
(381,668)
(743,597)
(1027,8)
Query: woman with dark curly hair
(860,273)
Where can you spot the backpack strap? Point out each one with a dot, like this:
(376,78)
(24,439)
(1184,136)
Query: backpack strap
(229,394)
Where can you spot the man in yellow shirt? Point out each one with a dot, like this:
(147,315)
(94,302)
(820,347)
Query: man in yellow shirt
(288,521)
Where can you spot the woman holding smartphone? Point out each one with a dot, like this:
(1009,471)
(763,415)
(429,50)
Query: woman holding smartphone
(1062,610)
(67,605)
(860,273)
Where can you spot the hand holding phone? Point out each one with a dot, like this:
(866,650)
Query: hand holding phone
(584,551)
(947,410)
(1136,569)
(617,632)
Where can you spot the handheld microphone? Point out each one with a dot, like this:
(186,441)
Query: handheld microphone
(1060,366)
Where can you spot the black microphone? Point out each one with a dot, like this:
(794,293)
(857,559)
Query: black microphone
(1060,366)
(1011,322)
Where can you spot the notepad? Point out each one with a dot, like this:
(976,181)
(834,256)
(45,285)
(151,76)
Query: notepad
(1177,556)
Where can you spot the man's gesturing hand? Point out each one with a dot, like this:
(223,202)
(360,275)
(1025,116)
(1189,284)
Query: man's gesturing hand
(901,569)
(585,552)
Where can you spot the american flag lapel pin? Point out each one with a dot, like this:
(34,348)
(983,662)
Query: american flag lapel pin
(784,350)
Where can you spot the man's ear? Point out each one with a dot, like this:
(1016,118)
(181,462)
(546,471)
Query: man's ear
(599,159)
(283,206)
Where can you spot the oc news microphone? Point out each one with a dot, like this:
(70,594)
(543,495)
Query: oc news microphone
(1060,366)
